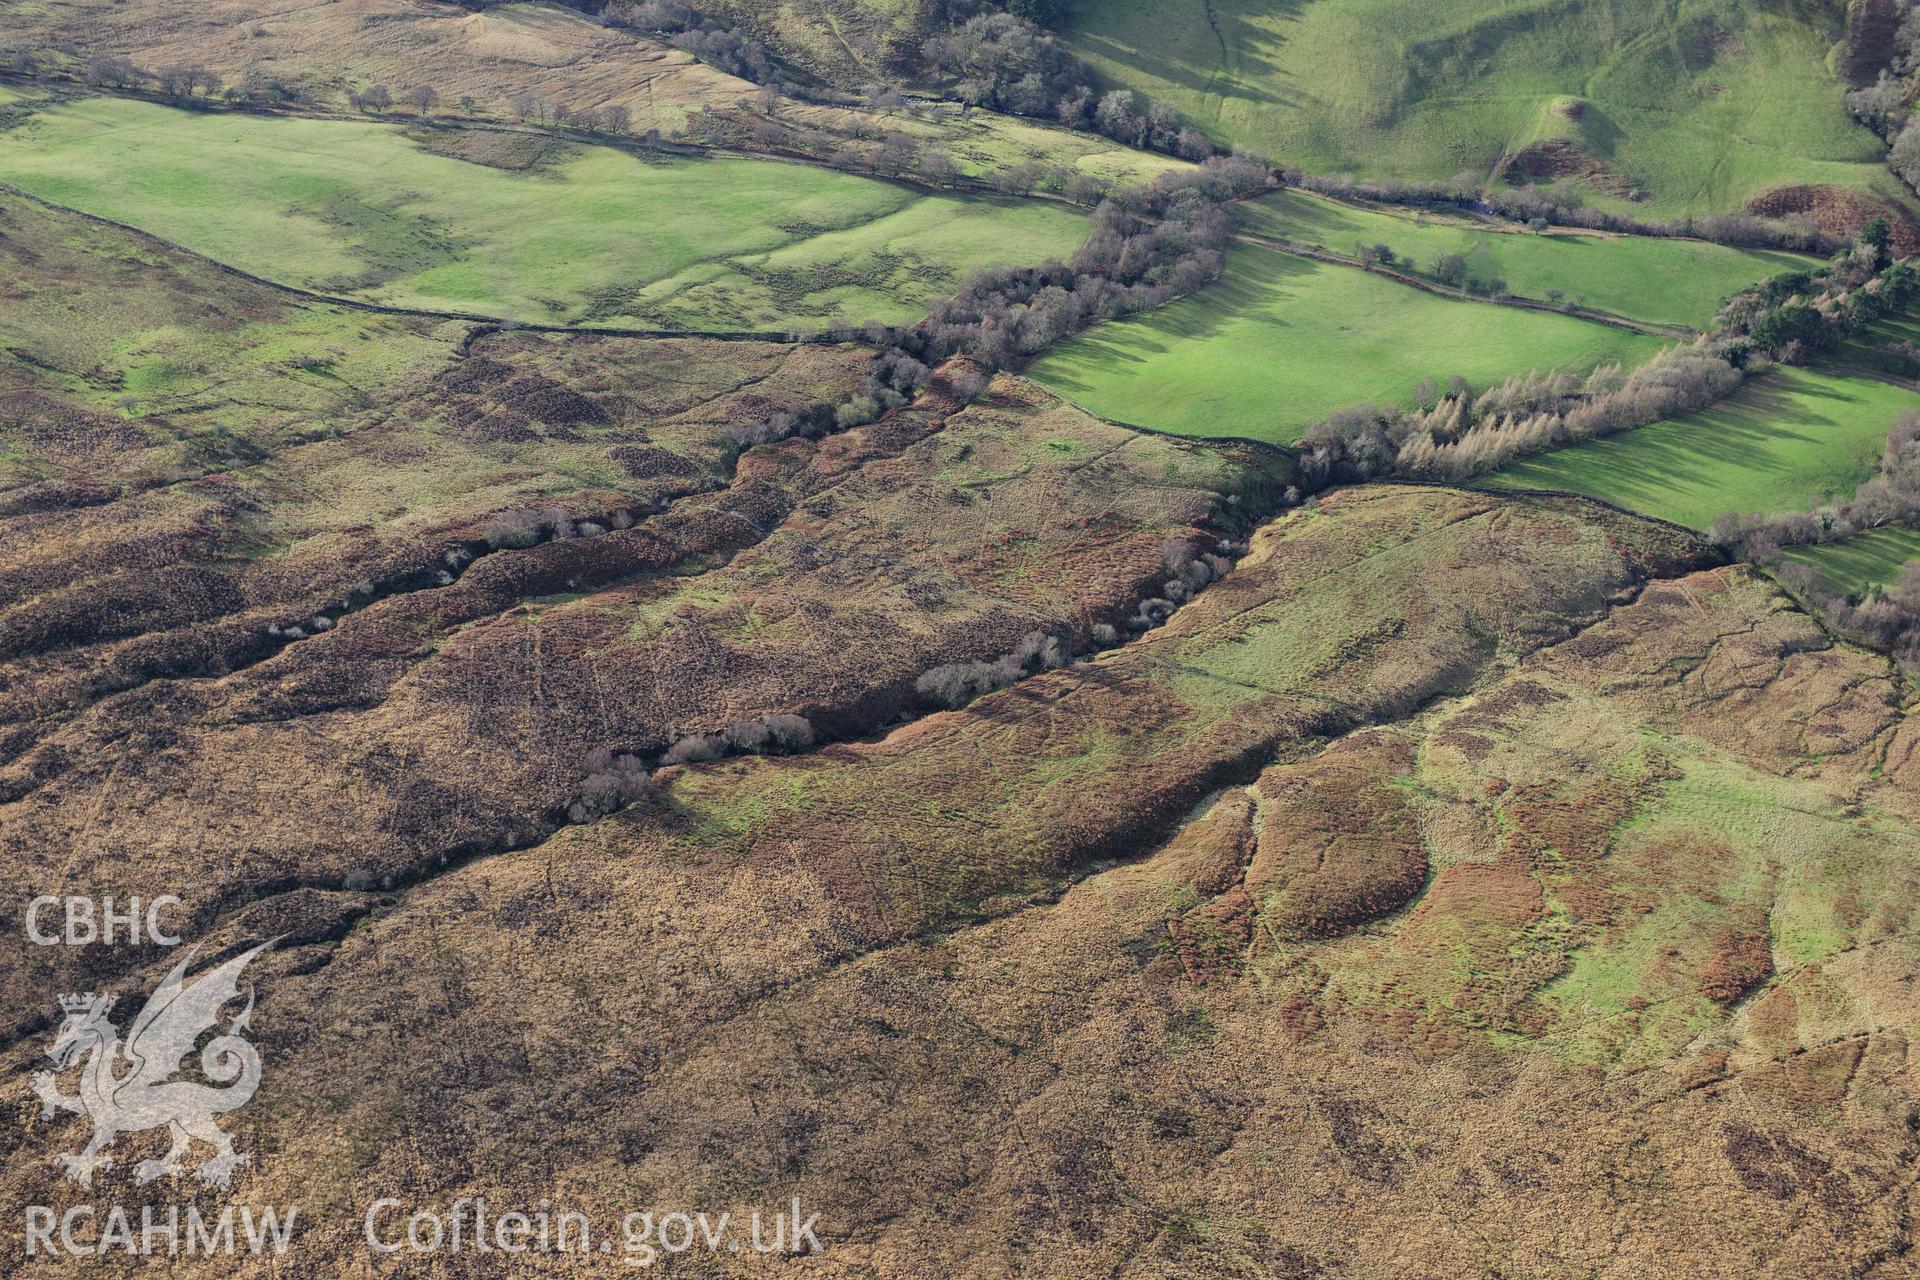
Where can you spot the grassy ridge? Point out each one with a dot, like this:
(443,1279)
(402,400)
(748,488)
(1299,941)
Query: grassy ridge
(1282,342)
(594,234)
(1700,103)
(1658,281)
(1786,441)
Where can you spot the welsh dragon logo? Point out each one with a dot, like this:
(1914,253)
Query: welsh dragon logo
(128,1088)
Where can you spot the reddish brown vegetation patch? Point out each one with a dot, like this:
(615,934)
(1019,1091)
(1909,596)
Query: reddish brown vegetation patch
(1776,1166)
(1339,845)
(1573,821)
(1558,158)
(1742,959)
(651,462)
(1212,939)
(495,401)
(65,430)
(1555,158)
(1840,212)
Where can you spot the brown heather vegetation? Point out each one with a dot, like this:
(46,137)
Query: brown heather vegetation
(787,973)
(321,51)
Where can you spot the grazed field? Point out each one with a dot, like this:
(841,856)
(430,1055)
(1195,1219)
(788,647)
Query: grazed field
(590,234)
(1282,342)
(1672,282)
(1700,105)
(1784,442)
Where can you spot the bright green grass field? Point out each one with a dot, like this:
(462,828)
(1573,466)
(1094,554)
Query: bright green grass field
(1702,103)
(1282,342)
(1668,282)
(358,210)
(1870,559)
(1786,441)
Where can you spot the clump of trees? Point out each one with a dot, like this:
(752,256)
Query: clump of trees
(1005,62)
(1887,618)
(763,735)
(1802,313)
(713,42)
(375,97)
(183,79)
(1189,569)
(614,780)
(810,423)
(1145,249)
(519,529)
(955,684)
(1472,272)
(1886,105)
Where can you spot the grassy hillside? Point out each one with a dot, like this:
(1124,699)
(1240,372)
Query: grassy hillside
(1659,281)
(1700,104)
(1282,342)
(1784,442)
(584,234)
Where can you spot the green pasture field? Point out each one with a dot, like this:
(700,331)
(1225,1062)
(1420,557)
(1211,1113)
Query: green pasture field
(1666,282)
(593,234)
(1787,441)
(1697,104)
(1870,559)
(1868,348)
(1282,342)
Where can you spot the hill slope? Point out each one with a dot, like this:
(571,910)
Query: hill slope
(1699,104)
